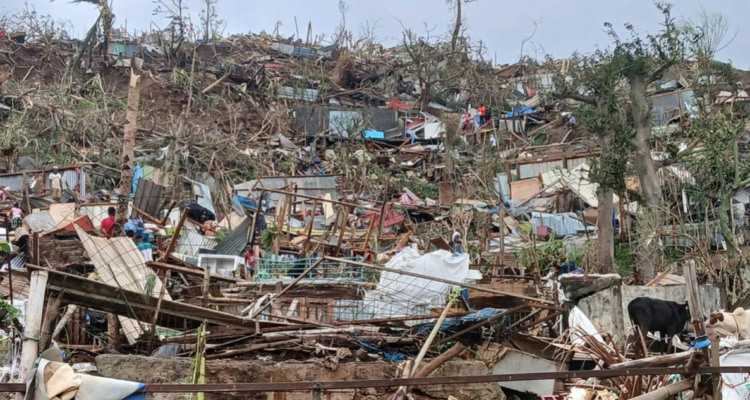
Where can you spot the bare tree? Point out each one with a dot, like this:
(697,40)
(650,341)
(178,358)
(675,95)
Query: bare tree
(176,12)
(458,26)
(107,18)
(210,20)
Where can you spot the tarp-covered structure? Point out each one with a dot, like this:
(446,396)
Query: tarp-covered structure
(400,295)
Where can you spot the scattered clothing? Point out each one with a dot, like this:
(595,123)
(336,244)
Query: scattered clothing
(147,249)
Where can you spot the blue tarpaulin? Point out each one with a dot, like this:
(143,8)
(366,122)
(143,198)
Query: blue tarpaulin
(520,110)
(393,357)
(453,325)
(374,135)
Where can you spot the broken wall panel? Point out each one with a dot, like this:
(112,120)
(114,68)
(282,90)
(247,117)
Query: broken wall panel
(525,189)
(119,263)
(314,119)
(147,198)
(307,185)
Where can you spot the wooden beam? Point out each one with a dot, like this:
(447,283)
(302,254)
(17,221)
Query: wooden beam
(189,271)
(657,361)
(100,296)
(175,236)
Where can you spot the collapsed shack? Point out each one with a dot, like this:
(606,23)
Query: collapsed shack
(318,226)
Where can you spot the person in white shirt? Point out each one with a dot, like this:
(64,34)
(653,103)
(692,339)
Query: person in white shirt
(55,180)
(456,243)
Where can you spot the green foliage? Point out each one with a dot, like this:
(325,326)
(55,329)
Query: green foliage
(10,312)
(268,236)
(419,186)
(148,287)
(624,260)
(221,235)
(551,254)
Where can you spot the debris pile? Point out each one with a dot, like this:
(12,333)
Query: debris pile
(412,210)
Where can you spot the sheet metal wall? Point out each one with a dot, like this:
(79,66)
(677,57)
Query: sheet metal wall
(307,186)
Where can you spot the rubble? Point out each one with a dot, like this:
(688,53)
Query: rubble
(293,217)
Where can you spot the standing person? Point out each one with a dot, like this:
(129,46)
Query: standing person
(55,180)
(108,224)
(482,115)
(16,215)
(250,262)
(456,243)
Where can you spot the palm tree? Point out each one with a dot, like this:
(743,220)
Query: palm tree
(106,16)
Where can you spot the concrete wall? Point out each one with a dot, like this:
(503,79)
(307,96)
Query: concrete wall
(598,307)
(175,370)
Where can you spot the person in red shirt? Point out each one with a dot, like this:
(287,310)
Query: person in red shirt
(108,224)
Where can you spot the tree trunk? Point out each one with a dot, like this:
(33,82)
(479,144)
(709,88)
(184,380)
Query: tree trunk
(644,164)
(726,212)
(426,93)
(128,145)
(646,171)
(606,232)
(457,28)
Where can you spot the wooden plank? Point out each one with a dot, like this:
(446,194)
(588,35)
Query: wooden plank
(191,271)
(524,189)
(100,296)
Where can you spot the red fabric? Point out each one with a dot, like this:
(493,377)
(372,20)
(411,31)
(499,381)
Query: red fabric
(108,226)
(482,111)
(398,105)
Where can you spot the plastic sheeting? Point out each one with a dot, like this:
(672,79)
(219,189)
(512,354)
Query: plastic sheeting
(735,386)
(455,324)
(579,325)
(400,295)
(563,224)
(40,385)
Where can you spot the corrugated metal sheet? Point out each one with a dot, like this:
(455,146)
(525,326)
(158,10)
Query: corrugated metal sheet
(67,196)
(191,242)
(147,197)
(203,195)
(288,92)
(20,286)
(18,262)
(236,241)
(40,222)
(69,179)
(576,162)
(534,170)
(14,182)
(307,185)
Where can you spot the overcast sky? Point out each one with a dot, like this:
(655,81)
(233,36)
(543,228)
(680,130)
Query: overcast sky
(564,26)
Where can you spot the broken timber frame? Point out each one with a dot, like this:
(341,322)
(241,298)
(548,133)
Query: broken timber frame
(305,386)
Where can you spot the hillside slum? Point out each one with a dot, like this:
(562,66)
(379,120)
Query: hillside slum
(307,220)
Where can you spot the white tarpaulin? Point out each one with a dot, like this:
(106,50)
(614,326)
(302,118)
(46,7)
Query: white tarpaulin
(734,386)
(400,295)
(579,325)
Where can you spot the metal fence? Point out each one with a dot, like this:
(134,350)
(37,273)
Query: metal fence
(270,270)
